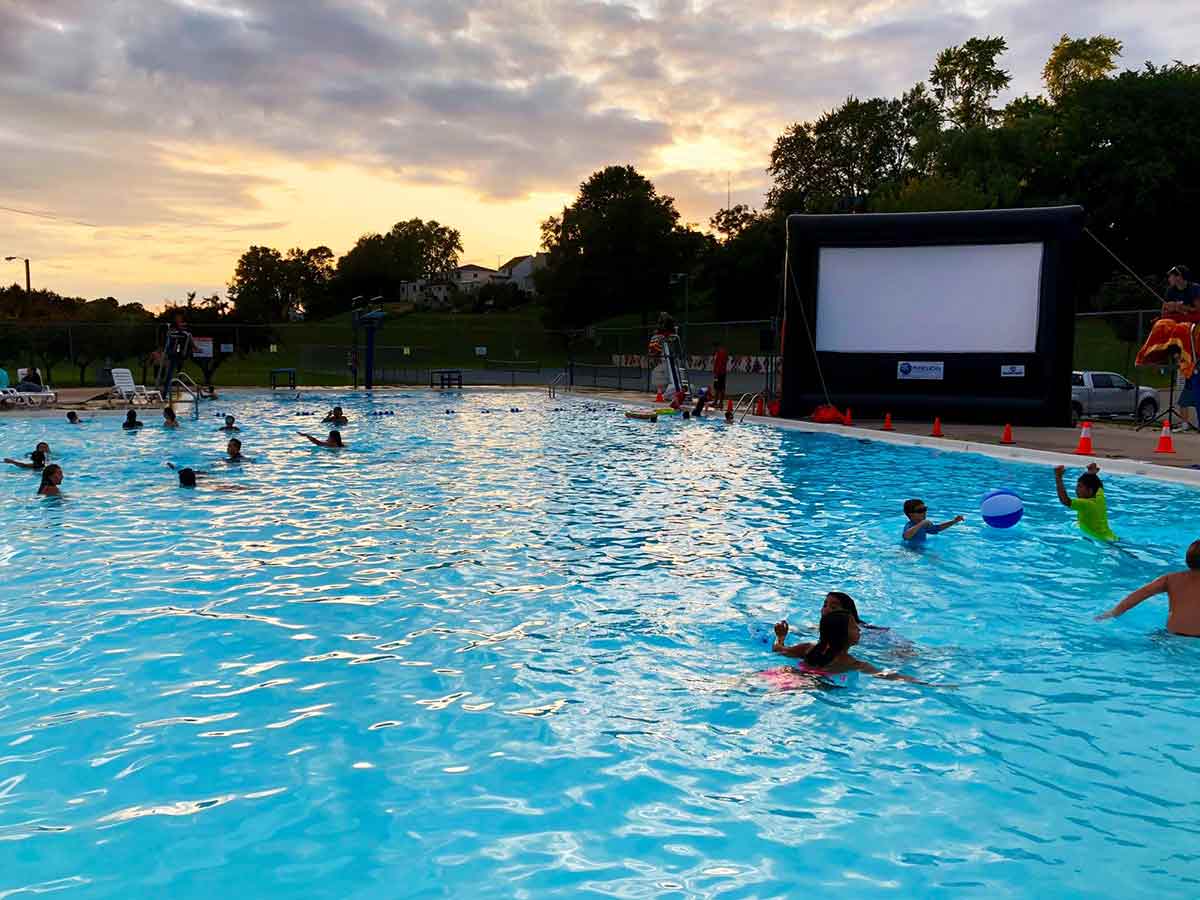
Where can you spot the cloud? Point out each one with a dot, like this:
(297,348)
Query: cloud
(128,112)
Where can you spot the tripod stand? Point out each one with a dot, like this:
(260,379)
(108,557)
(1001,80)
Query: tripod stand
(1172,415)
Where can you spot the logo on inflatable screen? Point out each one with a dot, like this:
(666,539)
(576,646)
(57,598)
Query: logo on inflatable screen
(920,371)
(1012,371)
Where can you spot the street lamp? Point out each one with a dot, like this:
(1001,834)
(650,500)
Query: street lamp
(14,259)
(686,279)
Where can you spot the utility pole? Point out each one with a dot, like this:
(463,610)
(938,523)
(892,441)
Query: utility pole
(14,259)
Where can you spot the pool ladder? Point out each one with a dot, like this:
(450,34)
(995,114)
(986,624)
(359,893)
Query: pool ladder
(560,380)
(184,383)
(746,403)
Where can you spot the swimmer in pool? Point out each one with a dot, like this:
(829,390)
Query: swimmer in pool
(336,417)
(52,477)
(334,440)
(836,600)
(73,417)
(234,451)
(38,461)
(187,479)
(131,421)
(918,526)
(229,426)
(1089,504)
(1183,597)
(831,653)
(169,419)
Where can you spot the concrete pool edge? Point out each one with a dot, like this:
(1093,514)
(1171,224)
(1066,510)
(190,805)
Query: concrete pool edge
(996,451)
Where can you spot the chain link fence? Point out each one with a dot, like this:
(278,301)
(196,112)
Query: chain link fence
(500,349)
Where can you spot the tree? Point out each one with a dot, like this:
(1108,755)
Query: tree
(742,274)
(732,221)
(309,278)
(966,80)
(261,288)
(378,264)
(851,151)
(1125,151)
(1076,60)
(613,250)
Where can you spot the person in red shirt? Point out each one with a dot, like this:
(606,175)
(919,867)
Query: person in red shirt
(720,371)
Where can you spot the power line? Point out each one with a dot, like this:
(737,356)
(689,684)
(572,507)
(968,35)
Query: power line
(50,216)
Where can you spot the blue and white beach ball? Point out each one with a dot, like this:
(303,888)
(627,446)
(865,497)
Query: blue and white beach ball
(1002,508)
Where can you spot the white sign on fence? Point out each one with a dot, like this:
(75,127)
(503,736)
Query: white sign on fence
(481,351)
(202,347)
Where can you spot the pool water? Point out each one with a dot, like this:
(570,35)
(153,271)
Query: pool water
(507,654)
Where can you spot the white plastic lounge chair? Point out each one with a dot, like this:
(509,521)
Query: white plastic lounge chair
(38,398)
(132,393)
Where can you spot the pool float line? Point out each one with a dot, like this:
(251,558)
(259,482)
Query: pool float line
(643,414)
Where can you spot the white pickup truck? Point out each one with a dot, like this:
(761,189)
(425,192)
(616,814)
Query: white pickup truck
(1097,395)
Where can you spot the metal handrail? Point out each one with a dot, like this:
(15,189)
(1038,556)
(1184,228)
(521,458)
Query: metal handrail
(183,388)
(558,379)
(749,404)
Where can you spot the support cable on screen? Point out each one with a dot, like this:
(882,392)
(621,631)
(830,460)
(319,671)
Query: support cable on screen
(1121,263)
(787,262)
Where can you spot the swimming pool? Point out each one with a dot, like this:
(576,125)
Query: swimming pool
(505,654)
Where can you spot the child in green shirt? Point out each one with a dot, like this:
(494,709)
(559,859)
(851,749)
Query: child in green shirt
(1088,502)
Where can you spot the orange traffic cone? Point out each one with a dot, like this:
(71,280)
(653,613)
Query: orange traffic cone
(848,419)
(887,422)
(1165,443)
(1007,437)
(1085,441)
(658,398)
(937,427)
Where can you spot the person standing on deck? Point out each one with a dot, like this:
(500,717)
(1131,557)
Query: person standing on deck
(720,373)
(1183,304)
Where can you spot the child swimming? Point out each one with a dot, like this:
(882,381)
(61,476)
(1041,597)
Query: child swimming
(38,461)
(919,527)
(234,451)
(336,417)
(187,479)
(131,421)
(1183,597)
(229,426)
(1089,503)
(334,440)
(73,417)
(52,477)
(169,419)
(839,600)
(831,653)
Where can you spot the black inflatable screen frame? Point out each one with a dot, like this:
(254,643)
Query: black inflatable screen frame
(973,388)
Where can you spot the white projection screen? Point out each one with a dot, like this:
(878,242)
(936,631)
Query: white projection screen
(977,298)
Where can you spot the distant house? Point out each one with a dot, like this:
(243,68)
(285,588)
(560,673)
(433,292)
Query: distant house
(519,271)
(471,277)
(424,293)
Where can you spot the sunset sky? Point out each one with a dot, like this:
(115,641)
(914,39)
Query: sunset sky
(166,137)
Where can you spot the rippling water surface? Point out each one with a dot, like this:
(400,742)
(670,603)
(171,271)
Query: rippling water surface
(506,654)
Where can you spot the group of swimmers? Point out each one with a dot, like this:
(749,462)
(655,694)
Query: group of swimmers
(52,474)
(841,627)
